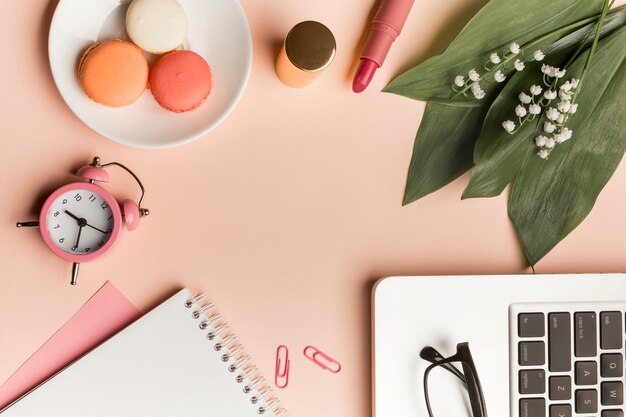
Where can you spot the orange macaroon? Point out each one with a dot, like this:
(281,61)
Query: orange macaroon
(113,72)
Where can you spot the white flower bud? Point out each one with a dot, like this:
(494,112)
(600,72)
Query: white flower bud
(574,108)
(499,77)
(543,154)
(567,134)
(574,83)
(552,113)
(459,81)
(508,125)
(546,69)
(566,87)
(494,58)
(477,91)
(525,98)
(549,127)
(473,75)
(514,48)
(549,143)
(520,111)
(559,73)
(564,95)
(538,55)
(559,138)
(519,65)
(534,109)
(550,94)
(560,119)
(564,106)
(535,90)
(541,141)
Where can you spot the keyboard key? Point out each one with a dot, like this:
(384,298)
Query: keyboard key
(532,325)
(612,413)
(611,330)
(586,401)
(561,410)
(532,407)
(532,382)
(559,342)
(586,373)
(532,353)
(611,365)
(586,336)
(560,388)
(612,393)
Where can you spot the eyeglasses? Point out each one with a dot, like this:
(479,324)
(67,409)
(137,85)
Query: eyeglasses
(468,375)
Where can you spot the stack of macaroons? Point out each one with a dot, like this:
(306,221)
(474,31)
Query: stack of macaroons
(115,72)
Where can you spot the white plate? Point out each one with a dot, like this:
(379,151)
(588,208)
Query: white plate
(218,30)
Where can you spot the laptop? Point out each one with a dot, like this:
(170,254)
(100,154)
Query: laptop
(542,345)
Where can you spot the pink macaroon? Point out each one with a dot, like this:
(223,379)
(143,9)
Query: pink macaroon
(181,81)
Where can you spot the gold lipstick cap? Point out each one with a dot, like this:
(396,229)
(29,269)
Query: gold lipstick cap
(308,49)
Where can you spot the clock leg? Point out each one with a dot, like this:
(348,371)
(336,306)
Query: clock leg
(27,224)
(74,273)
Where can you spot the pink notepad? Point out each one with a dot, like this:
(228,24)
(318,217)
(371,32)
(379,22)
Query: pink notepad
(107,312)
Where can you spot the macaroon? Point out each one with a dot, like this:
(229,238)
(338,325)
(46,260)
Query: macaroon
(181,81)
(156,26)
(113,72)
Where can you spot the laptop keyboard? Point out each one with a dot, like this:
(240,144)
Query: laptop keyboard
(568,360)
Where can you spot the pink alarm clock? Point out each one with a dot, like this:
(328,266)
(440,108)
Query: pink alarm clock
(81,221)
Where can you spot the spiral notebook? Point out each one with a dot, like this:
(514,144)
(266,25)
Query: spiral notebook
(178,360)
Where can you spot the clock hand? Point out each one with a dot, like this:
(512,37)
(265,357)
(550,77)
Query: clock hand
(93,227)
(72,216)
(80,230)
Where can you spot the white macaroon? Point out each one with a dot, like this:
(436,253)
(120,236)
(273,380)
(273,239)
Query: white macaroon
(156,26)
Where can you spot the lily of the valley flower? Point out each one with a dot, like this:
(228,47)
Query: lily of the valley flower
(477,90)
(549,127)
(494,58)
(459,81)
(473,75)
(519,65)
(508,125)
(538,55)
(535,90)
(514,48)
(552,114)
(534,109)
(549,94)
(520,111)
(525,98)
(499,76)
(543,154)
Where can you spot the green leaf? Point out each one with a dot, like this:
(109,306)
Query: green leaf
(552,197)
(498,156)
(444,145)
(443,148)
(493,28)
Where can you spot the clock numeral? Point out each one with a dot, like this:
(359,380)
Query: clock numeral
(62,240)
(56,214)
(104,206)
(92,198)
(110,217)
(64,201)
(78,197)
(56,227)
(87,250)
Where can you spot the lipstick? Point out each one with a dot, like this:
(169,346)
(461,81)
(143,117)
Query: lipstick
(386,27)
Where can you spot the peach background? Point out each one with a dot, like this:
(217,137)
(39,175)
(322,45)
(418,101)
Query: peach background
(286,214)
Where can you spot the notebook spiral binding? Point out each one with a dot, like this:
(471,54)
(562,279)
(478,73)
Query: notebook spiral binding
(235,360)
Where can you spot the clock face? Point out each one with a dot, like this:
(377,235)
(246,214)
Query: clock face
(80,221)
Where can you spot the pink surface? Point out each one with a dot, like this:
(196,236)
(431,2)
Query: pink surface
(285,214)
(103,315)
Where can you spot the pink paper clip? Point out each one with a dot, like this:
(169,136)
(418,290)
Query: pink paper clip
(330,364)
(281,376)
